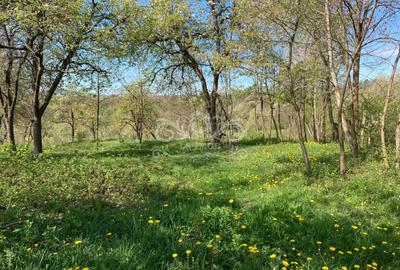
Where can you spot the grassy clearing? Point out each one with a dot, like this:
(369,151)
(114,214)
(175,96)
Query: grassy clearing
(119,206)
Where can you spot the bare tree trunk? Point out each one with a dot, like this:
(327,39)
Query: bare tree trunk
(262,115)
(314,115)
(97,108)
(303,122)
(72,126)
(37,135)
(323,121)
(385,110)
(279,122)
(301,138)
(398,144)
(362,131)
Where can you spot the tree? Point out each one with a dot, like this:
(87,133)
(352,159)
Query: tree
(55,33)
(385,110)
(191,37)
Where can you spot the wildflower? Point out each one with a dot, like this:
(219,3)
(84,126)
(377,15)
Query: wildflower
(231,201)
(384,243)
(349,252)
(343,268)
(243,227)
(198,242)
(336,226)
(354,227)
(274,219)
(174,255)
(150,221)
(285,263)
(332,249)
(272,256)
(78,242)
(209,245)
(109,234)
(165,205)
(85,268)
(157,221)
(217,236)
(188,251)
(319,243)
(29,249)
(180,240)
(243,245)
(292,241)
(356,266)
(309,259)
(365,233)
(325,267)
(312,201)
(341,252)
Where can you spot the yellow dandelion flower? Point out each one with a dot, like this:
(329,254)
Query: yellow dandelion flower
(174,255)
(243,227)
(165,205)
(343,268)
(198,242)
(309,259)
(354,227)
(180,240)
(209,245)
(285,263)
(356,266)
(272,256)
(384,243)
(243,245)
(292,241)
(217,236)
(157,221)
(109,234)
(332,249)
(85,268)
(325,267)
(319,243)
(231,201)
(188,251)
(150,221)
(78,242)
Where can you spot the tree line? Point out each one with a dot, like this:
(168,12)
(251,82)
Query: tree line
(299,62)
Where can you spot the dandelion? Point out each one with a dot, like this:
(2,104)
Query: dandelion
(309,259)
(243,245)
(384,243)
(78,242)
(150,221)
(341,252)
(174,255)
(312,201)
(272,256)
(165,205)
(231,201)
(354,227)
(343,268)
(356,266)
(198,242)
(285,263)
(85,268)
(332,249)
(336,226)
(319,243)
(188,251)
(243,227)
(157,221)
(292,241)
(217,236)
(209,245)
(365,233)
(349,252)
(29,249)
(180,240)
(325,267)
(109,234)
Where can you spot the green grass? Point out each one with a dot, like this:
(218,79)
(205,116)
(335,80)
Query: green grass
(84,192)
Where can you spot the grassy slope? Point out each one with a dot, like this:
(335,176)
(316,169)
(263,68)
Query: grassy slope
(73,197)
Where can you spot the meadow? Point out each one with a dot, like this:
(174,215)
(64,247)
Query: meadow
(179,205)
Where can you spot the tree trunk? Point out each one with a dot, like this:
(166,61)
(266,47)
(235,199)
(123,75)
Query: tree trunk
(212,114)
(304,152)
(10,132)
(72,126)
(37,135)
(398,144)
(385,110)
(314,115)
(279,122)
(262,116)
(362,131)
(303,122)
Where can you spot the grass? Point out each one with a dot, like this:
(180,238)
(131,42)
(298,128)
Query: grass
(120,206)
